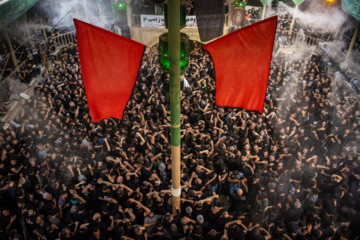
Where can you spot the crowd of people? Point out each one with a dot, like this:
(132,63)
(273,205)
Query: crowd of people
(6,65)
(27,43)
(20,80)
(290,173)
(252,15)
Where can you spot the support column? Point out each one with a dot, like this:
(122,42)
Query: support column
(44,31)
(229,20)
(263,12)
(11,51)
(174,59)
(129,13)
(337,32)
(43,54)
(85,9)
(101,15)
(353,39)
(293,20)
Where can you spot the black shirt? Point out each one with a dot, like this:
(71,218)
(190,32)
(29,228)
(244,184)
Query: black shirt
(145,174)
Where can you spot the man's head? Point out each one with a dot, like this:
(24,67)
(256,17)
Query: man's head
(138,230)
(200,219)
(40,220)
(188,210)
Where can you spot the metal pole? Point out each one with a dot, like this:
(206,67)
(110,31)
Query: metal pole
(85,10)
(353,39)
(113,17)
(44,31)
(101,16)
(174,59)
(263,12)
(129,13)
(11,51)
(293,20)
(229,20)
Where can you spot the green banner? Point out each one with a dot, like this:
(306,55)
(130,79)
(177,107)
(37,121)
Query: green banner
(298,2)
(352,7)
(265,2)
(11,10)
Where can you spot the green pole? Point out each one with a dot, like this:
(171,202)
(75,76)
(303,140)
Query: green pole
(174,59)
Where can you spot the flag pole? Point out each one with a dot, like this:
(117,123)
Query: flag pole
(174,59)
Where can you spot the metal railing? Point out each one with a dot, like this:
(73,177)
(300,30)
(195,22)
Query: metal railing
(302,38)
(65,39)
(11,75)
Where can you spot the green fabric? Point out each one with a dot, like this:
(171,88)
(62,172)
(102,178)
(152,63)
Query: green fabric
(298,2)
(155,164)
(352,7)
(175,137)
(11,10)
(265,2)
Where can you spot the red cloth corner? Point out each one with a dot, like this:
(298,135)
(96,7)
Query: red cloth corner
(110,65)
(242,65)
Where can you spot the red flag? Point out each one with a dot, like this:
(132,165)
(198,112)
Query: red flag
(242,64)
(109,64)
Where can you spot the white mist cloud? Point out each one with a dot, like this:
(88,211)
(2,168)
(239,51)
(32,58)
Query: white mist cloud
(336,50)
(318,17)
(64,11)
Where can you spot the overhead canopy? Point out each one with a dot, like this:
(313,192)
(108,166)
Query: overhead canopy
(298,2)
(255,3)
(265,2)
(352,7)
(12,9)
